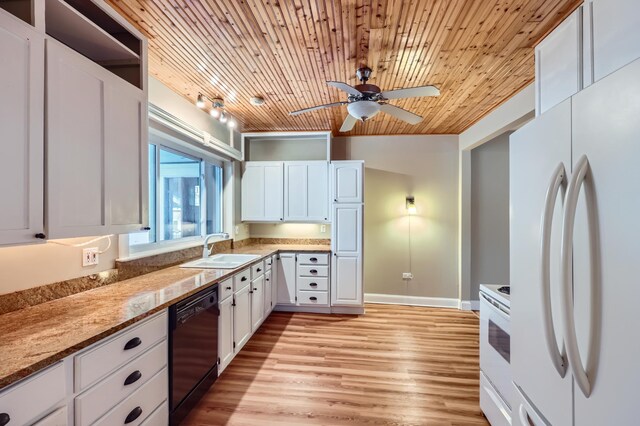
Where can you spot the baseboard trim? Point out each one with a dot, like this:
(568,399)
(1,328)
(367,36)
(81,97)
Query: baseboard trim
(469,305)
(396,299)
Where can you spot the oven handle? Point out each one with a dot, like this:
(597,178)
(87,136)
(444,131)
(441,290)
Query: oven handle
(557,357)
(566,253)
(496,306)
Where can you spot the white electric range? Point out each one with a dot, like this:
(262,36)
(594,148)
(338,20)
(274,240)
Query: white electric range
(497,393)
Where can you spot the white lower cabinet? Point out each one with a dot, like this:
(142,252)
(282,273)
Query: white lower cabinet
(257,302)
(241,317)
(34,397)
(225,333)
(287,279)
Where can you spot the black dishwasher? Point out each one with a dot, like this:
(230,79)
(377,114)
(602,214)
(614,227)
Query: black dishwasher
(193,353)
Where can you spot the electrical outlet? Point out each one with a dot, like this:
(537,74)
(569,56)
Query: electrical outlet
(237,230)
(90,256)
(323,228)
(407,276)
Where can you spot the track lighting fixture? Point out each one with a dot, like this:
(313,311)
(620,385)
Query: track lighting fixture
(217,110)
(200,102)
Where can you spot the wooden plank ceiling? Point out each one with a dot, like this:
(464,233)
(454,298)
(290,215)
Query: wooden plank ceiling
(478,52)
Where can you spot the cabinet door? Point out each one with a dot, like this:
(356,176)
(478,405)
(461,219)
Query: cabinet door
(559,63)
(268,293)
(616,38)
(263,191)
(241,318)
(346,280)
(225,333)
(535,152)
(306,194)
(287,279)
(21,127)
(347,181)
(76,194)
(257,302)
(126,157)
(274,281)
(347,229)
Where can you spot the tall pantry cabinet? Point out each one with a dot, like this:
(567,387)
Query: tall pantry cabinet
(347,234)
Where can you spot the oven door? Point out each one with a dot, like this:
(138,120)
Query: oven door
(495,348)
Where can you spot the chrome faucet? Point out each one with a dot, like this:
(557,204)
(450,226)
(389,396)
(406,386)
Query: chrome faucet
(206,252)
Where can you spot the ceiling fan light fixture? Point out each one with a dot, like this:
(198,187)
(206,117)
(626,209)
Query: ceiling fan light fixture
(363,110)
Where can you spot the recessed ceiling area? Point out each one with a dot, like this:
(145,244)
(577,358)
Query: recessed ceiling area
(477,52)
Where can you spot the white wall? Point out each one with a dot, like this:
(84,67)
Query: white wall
(490,214)
(396,166)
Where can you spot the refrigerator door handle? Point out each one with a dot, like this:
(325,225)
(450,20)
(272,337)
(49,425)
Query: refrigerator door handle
(557,181)
(566,255)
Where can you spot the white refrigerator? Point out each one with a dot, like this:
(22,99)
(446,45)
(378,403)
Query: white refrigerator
(575,258)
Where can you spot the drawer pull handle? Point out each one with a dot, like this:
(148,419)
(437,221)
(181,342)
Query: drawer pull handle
(133,415)
(4,419)
(243,279)
(314,271)
(259,270)
(133,343)
(313,298)
(228,288)
(132,378)
(251,292)
(314,259)
(313,284)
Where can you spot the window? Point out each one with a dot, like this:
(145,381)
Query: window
(185,196)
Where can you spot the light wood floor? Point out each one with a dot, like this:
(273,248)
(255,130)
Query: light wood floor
(396,365)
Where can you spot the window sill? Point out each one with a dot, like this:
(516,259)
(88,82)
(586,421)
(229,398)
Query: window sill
(153,249)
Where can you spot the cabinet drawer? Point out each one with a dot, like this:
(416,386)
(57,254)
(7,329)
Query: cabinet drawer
(313,283)
(257,270)
(320,298)
(225,289)
(313,259)
(42,391)
(96,363)
(313,271)
(102,397)
(140,404)
(57,418)
(241,280)
(158,417)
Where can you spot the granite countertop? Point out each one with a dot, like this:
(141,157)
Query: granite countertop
(38,336)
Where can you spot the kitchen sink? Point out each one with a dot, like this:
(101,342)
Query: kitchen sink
(221,261)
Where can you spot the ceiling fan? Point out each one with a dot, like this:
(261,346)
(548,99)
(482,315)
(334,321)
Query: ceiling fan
(366,100)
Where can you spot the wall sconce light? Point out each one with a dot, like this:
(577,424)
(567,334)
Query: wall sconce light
(411,205)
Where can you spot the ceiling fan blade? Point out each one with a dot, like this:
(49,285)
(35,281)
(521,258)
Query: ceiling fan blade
(401,114)
(300,111)
(348,123)
(411,92)
(344,87)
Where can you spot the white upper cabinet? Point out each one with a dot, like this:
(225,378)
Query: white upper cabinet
(262,191)
(616,34)
(96,148)
(75,144)
(346,178)
(21,130)
(559,63)
(306,191)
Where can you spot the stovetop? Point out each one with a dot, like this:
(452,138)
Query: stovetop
(498,292)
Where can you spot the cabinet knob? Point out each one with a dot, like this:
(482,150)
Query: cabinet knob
(39,236)
(243,279)
(132,378)
(228,288)
(255,289)
(259,270)
(313,298)
(133,343)
(146,228)
(4,419)
(281,218)
(133,415)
